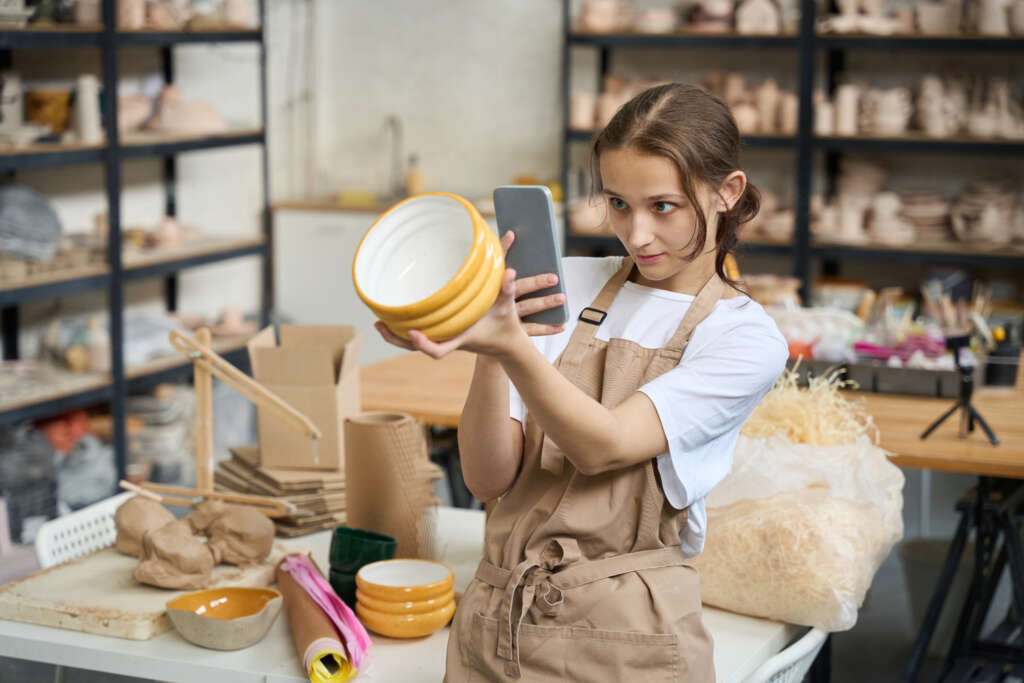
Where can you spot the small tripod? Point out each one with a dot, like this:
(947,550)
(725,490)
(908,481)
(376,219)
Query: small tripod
(968,413)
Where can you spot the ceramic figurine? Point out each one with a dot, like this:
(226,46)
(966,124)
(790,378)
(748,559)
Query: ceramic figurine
(824,115)
(87,110)
(656,20)
(582,109)
(767,97)
(131,14)
(993,18)
(177,116)
(88,12)
(747,118)
(166,15)
(847,109)
(789,113)
(758,17)
(1017,17)
(238,14)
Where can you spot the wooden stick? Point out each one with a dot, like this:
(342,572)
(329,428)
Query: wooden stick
(204,418)
(245,385)
(128,486)
(271,507)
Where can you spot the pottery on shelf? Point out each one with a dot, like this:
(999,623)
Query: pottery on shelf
(132,112)
(582,110)
(238,14)
(767,97)
(178,116)
(131,14)
(1017,17)
(789,113)
(847,108)
(88,13)
(887,111)
(167,234)
(88,126)
(824,115)
(934,19)
(747,118)
(758,17)
(166,15)
(602,16)
(993,17)
(656,20)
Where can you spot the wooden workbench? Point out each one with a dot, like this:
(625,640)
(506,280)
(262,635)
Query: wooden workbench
(434,392)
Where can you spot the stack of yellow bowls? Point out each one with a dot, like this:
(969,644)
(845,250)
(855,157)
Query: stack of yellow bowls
(430,263)
(405,598)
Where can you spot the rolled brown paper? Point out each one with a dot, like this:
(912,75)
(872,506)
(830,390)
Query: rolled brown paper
(316,639)
(389,480)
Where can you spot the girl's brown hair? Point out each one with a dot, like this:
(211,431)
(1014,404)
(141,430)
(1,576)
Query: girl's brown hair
(696,131)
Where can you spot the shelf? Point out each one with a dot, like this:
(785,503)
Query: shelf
(172,367)
(58,35)
(139,145)
(73,391)
(681,39)
(920,143)
(157,262)
(760,141)
(82,390)
(42,155)
(612,244)
(55,284)
(218,35)
(945,252)
(956,43)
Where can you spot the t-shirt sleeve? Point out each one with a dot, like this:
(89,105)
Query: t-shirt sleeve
(703,402)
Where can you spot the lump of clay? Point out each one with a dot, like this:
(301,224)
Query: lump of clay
(173,558)
(241,536)
(204,515)
(134,518)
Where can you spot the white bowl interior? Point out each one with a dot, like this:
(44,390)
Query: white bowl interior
(402,573)
(414,251)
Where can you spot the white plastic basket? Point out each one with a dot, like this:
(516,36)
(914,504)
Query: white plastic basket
(79,533)
(792,664)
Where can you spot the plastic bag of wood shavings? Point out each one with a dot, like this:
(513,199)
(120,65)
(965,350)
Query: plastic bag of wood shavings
(797,532)
(818,414)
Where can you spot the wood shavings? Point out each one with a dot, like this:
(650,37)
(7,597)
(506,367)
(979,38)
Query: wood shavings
(818,415)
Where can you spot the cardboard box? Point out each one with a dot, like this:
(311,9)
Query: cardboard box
(315,368)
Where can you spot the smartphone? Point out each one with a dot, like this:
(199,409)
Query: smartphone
(527,210)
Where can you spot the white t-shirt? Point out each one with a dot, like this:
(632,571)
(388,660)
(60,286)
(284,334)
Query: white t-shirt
(732,360)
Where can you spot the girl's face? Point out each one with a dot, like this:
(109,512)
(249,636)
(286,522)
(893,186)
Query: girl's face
(653,218)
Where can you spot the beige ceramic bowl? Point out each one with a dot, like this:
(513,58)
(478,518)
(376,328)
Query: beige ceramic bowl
(225,618)
(430,263)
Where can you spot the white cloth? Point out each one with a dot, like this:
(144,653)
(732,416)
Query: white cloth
(732,360)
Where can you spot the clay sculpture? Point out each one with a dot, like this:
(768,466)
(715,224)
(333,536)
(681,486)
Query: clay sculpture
(205,514)
(241,536)
(134,518)
(173,558)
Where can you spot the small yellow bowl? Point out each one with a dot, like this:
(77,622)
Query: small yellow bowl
(405,580)
(225,618)
(419,236)
(466,315)
(480,279)
(405,625)
(390,607)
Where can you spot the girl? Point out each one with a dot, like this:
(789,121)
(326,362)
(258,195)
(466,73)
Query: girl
(600,453)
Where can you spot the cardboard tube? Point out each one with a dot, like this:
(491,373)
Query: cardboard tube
(322,653)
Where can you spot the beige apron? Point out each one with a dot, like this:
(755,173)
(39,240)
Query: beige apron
(583,578)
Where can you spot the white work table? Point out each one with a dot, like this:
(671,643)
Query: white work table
(741,643)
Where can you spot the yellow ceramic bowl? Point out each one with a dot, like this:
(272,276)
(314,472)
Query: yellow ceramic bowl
(469,292)
(405,580)
(419,254)
(391,607)
(225,618)
(405,625)
(464,315)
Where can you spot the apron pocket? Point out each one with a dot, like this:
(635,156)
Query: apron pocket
(580,655)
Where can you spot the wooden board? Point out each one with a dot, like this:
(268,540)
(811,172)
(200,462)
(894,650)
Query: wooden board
(97,594)
(432,391)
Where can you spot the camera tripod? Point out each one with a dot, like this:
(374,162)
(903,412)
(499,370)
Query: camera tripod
(969,415)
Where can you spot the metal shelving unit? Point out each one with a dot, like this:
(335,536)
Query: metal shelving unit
(120,269)
(807,46)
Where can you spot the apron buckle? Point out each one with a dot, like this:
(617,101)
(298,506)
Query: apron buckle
(601,315)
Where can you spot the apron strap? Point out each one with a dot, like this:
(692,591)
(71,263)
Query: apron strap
(571,360)
(702,305)
(534,579)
